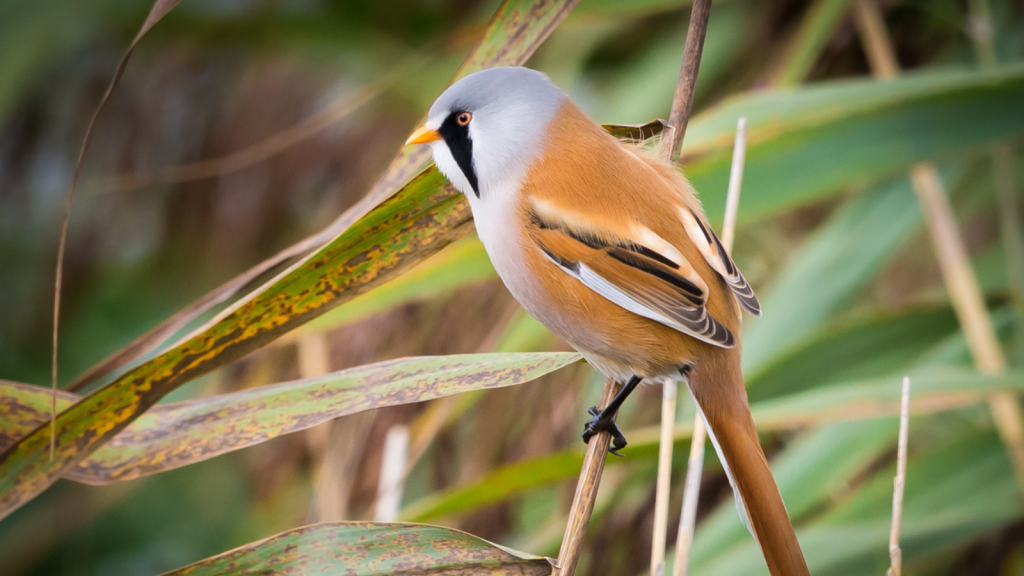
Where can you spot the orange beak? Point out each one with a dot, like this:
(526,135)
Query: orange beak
(423,136)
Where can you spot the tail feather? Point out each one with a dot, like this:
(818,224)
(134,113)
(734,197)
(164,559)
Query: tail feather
(716,383)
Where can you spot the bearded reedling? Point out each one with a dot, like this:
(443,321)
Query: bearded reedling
(609,248)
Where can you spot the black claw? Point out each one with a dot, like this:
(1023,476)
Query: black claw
(602,422)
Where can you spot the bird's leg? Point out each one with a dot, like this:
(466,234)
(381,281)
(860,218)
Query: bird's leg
(604,420)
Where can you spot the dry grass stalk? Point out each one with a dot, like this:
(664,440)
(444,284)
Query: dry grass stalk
(732,199)
(683,99)
(329,500)
(961,283)
(672,141)
(691,494)
(982,33)
(695,465)
(586,492)
(661,496)
(392,474)
(899,483)
(593,463)
(340,451)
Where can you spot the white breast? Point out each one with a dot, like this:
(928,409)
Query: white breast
(497,224)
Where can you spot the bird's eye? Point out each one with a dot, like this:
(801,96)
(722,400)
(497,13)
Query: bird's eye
(464,118)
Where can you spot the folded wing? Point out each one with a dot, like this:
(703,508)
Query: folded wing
(647,277)
(711,247)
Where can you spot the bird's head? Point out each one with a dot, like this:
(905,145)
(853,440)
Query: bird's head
(489,127)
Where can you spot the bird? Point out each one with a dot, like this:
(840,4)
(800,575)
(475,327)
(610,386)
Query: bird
(608,247)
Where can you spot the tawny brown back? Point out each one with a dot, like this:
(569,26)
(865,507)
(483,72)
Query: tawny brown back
(585,170)
(608,189)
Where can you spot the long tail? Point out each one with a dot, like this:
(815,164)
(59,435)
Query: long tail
(716,382)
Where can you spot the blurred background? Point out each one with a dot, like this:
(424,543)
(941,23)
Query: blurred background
(242,126)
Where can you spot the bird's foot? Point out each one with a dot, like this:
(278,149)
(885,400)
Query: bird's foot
(602,422)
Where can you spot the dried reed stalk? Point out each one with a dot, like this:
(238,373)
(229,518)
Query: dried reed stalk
(679,117)
(682,102)
(661,495)
(333,445)
(392,474)
(899,483)
(691,495)
(961,283)
(593,463)
(586,492)
(695,465)
(982,33)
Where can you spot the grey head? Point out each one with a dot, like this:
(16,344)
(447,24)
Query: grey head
(486,129)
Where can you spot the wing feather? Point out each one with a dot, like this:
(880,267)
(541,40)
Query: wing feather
(634,276)
(711,248)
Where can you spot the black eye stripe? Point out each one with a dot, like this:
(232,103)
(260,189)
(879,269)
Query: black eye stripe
(456,136)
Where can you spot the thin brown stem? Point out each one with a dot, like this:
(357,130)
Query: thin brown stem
(695,467)
(586,492)
(875,39)
(682,102)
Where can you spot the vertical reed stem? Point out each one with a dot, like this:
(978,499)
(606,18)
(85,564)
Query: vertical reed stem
(899,483)
(691,494)
(671,143)
(695,465)
(982,32)
(661,496)
(682,102)
(392,474)
(586,492)
(593,463)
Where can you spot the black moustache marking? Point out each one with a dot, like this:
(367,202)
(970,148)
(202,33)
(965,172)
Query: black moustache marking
(456,137)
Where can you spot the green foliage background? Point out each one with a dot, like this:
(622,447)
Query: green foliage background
(830,236)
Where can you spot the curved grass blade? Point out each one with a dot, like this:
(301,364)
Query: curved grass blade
(172,435)
(515,31)
(943,508)
(837,128)
(854,401)
(841,257)
(462,264)
(423,218)
(24,407)
(370,549)
(864,348)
